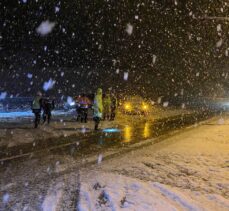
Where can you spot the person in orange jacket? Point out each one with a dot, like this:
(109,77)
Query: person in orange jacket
(84,104)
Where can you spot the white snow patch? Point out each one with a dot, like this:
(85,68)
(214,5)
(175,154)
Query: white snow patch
(5,198)
(178,198)
(112,192)
(53,198)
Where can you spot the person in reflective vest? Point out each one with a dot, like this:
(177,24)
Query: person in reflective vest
(36,108)
(98,108)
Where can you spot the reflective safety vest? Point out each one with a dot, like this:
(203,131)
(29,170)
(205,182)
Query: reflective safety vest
(36,103)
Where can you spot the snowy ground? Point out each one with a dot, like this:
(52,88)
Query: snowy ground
(187,170)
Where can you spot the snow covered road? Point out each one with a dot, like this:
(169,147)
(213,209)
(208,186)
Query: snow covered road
(186,171)
(189,171)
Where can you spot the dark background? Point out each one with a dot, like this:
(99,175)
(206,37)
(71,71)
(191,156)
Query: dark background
(89,43)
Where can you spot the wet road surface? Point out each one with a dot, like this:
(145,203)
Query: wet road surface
(28,172)
(88,142)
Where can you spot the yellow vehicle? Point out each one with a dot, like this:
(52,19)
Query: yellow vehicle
(135,105)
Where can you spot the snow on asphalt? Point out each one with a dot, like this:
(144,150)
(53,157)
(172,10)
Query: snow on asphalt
(188,171)
(54,195)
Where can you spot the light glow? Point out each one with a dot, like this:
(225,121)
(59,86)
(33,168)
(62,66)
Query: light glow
(111,130)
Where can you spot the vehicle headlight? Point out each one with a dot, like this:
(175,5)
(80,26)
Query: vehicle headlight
(145,107)
(127,106)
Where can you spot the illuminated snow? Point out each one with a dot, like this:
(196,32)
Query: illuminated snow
(129,29)
(219,43)
(3,95)
(70,101)
(45,28)
(5,198)
(29,75)
(48,85)
(125,76)
(111,130)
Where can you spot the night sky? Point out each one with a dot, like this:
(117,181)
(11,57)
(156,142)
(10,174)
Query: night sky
(165,47)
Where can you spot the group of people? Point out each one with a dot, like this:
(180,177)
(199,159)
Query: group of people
(104,107)
(45,104)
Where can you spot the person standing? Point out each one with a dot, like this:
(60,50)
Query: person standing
(98,108)
(77,104)
(36,108)
(48,105)
(113,107)
(84,105)
(106,106)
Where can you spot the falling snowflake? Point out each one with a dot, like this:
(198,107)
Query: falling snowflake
(129,29)
(70,101)
(219,43)
(219,28)
(3,95)
(29,75)
(165,104)
(154,59)
(45,28)
(159,100)
(126,76)
(48,85)
(57,9)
